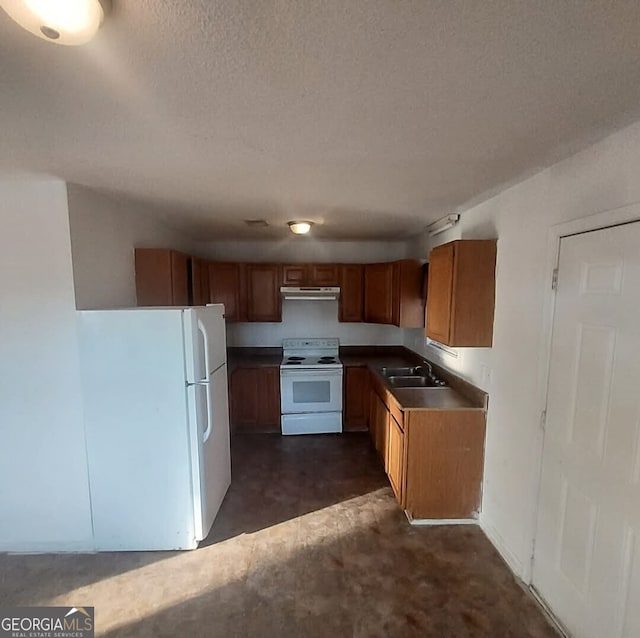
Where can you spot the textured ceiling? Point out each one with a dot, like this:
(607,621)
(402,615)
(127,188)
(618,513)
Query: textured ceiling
(370,117)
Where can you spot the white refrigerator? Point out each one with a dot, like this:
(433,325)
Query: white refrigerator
(157,424)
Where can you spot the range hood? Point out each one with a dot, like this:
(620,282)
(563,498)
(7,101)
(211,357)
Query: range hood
(310,292)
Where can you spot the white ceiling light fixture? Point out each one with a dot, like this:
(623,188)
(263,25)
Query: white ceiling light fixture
(443,224)
(300,228)
(67,22)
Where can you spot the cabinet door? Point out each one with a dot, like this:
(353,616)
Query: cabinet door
(461,294)
(263,292)
(378,293)
(153,277)
(380,419)
(473,293)
(269,399)
(444,463)
(180,279)
(373,421)
(395,456)
(440,293)
(351,292)
(255,399)
(323,274)
(244,401)
(356,398)
(294,274)
(162,277)
(225,286)
(408,297)
(199,282)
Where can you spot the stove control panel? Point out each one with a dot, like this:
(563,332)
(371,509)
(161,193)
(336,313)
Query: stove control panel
(310,344)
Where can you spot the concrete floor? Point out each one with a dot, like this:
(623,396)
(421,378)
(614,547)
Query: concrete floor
(309,542)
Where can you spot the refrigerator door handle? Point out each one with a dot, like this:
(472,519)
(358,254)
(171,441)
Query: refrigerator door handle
(207,432)
(203,382)
(205,338)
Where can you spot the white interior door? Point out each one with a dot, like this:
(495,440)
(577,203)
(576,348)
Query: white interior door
(587,552)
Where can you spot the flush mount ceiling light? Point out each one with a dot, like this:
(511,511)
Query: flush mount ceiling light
(68,22)
(300,228)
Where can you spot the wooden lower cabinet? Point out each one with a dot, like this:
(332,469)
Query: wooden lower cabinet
(255,399)
(444,463)
(356,398)
(434,458)
(379,427)
(395,458)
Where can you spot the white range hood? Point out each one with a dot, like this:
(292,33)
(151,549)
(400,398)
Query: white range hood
(310,292)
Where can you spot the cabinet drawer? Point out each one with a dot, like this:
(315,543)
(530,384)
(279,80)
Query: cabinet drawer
(396,413)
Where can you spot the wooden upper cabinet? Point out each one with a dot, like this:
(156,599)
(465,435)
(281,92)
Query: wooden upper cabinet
(324,274)
(263,292)
(162,277)
(310,275)
(393,293)
(351,292)
(226,287)
(408,294)
(439,293)
(199,282)
(294,274)
(461,293)
(378,293)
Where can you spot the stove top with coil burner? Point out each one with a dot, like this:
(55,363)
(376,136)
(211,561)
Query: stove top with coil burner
(310,354)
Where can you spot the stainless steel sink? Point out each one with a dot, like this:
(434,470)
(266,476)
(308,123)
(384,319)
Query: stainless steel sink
(414,381)
(400,372)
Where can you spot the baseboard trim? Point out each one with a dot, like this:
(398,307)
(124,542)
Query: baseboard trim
(439,521)
(75,547)
(551,617)
(502,548)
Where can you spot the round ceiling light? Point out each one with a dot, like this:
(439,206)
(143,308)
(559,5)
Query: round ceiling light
(300,228)
(69,22)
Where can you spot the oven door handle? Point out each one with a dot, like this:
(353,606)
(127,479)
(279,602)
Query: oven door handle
(303,375)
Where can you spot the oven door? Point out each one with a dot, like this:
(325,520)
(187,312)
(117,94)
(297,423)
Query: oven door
(310,391)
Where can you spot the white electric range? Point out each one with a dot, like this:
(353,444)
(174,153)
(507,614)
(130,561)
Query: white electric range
(311,386)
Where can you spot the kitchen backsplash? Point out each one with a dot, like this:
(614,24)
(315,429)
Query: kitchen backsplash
(312,319)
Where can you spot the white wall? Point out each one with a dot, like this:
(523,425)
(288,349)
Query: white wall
(44,491)
(308,318)
(303,249)
(601,178)
(311,319)
(104,232)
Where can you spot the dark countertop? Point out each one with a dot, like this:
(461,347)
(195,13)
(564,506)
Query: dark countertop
(432,399)
(253,357)
(459,395)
